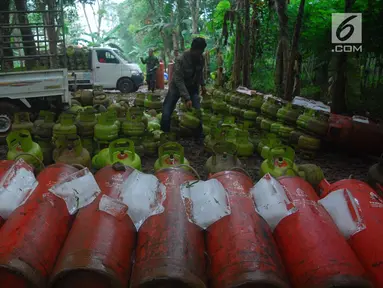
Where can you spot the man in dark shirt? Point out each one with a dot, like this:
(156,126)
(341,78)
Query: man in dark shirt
(151,68)
(187,79)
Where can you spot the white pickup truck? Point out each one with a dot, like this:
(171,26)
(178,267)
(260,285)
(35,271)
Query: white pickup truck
(109,68)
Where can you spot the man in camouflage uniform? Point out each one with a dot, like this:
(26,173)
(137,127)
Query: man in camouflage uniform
(186,82)
(151,68)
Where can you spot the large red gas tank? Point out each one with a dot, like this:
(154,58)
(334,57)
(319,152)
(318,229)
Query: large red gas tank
(240,246)
(98,250)
(340,128)
(33,235)
(170,72)
(160,80)
(314,251)
(4,167)
(170,250)
(367,136)
(367,242)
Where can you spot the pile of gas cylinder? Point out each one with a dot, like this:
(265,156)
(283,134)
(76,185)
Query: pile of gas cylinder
(96,131)
(66,228)
(269,122)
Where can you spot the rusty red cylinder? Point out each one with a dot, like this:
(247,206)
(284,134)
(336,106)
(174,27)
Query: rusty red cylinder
(315,253)
(170,249)
(99,248)
(366,243)
(170,72)
(34,233)
(160,80)
(240,246)
(4,166)
(340,128)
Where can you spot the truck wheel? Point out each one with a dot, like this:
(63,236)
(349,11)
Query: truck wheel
(126,85)
(7,111)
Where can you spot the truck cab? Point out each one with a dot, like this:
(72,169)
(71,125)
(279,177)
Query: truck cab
(109,68)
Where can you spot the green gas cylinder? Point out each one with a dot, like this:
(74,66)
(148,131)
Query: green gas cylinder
(219,105)
(230,132)
(157,134)
(266,124)
(224,158)
(314,122)
(256,101)
(206,102)
(289,113)
(20,145)
(168,137)
(135,124)
(120,150)
(235,111)
(206,120)
(107,127)
(120,109)
(307,142)
(150,144)
(75,108)
(170,154)
(274,128)
(85,97)
(244,147)
(66,126)
(285,131)
(89,144)
(226,97)
(267,142)
(138,145)
(140,99)
(280,162)
(229,120)
(250,115)
(69,150)
(243,101)
(101,99)
(46,146)
(43,126)
(85,124)
(153,101)
(258,121)
(270,107)
(22,121)
(191,119)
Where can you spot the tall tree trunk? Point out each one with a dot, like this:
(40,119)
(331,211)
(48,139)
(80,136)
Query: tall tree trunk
(181,24)
(219,81)
(29,44)
(297,77)
(283,47)
(338,93)
(238,51)
(254,35)
(246,47)
(5,40)
(175,42)
(293,54)
(206,70)
(194,8)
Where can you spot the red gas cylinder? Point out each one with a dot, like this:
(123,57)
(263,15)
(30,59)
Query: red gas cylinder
(367,135)
(160,81)
(240,246)
(34,233)
(367,242)
(314,251)
(4,166)
(340,128)
(170,72)
(99,247)
(170,249)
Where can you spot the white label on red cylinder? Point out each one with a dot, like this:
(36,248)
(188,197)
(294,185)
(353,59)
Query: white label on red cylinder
(77,190)
(113,207)
(345,211)
(271,201)
(205,202)
(144,195)
(16,186)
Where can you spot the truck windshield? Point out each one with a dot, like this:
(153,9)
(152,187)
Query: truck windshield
(119,53)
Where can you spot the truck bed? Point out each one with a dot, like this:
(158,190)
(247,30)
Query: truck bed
(32,84)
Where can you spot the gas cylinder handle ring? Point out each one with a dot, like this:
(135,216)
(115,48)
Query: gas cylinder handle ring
(29,154)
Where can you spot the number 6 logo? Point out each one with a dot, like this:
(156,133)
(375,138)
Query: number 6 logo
(346,28)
